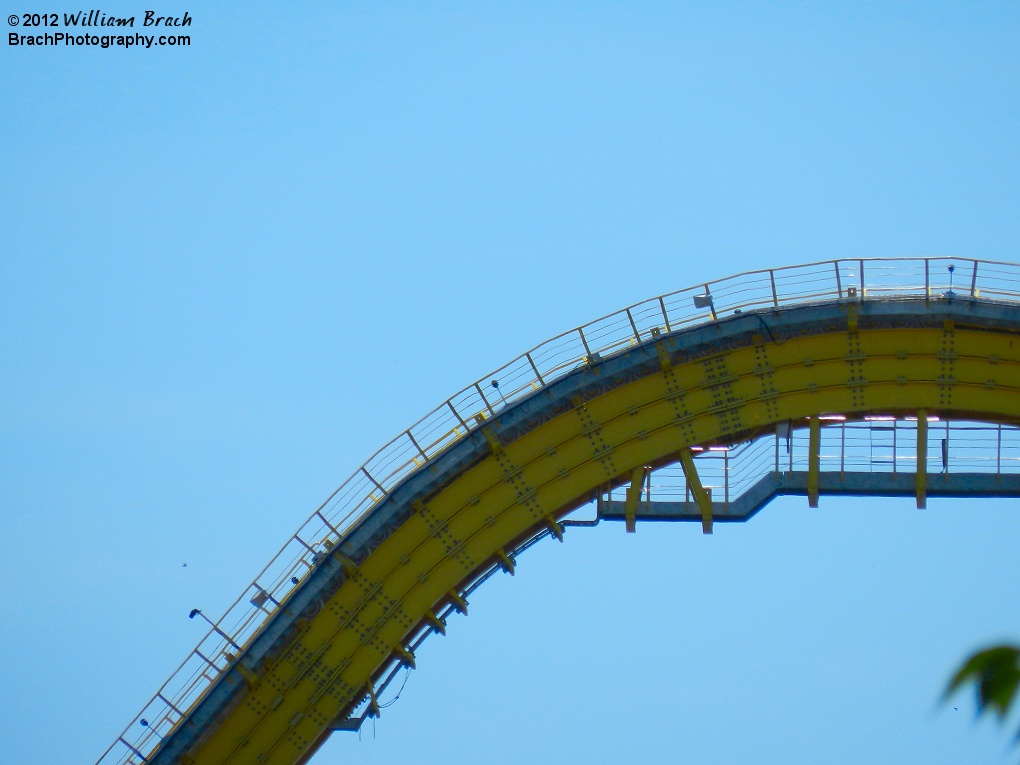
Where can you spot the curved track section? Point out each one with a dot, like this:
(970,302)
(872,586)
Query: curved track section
(762,352)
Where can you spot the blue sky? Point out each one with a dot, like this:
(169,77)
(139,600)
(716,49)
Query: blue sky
(231,271)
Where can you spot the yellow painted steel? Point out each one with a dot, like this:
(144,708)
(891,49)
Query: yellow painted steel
(697,489)
(637,482)
(814,459)
(435,622)
(555,528)
(504,562)
(921,483)
(524,485)
(457,601)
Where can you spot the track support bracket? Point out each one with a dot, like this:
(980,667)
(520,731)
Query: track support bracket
(700,495)
(637,482)
(814,459)
(921,484)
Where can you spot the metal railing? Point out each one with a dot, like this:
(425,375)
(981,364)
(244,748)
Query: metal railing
(877,444)
(446,424)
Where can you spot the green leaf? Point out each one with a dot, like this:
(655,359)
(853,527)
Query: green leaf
(995,673)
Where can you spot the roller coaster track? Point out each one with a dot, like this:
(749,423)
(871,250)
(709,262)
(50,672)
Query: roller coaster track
(898,377)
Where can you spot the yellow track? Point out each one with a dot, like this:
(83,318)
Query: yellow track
(527,482)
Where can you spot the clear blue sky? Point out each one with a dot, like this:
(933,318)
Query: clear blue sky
(229,272)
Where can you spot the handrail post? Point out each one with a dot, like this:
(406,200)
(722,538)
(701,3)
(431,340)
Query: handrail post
(133,749)
(535,369)
(772,279)
(894,446)
(456,414)
(665,318)
(587,350)
(711,304)
(416,445)
(633,326)
(370,478)
(207,660)
(726,477)
(973,281)
(777,453)
(484,399)
(170,704)
(842,448)
(998,452)
(332,528)
(839,282)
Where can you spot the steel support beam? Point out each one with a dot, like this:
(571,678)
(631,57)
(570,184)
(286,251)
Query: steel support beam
(637,481)
(921,482)
(814,459)
(700,495)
